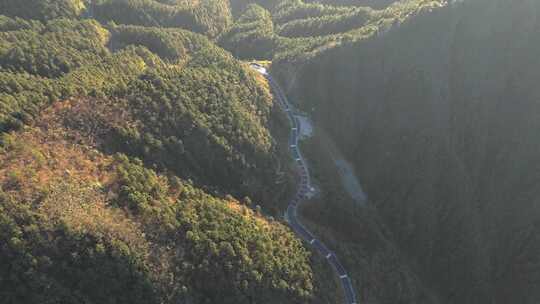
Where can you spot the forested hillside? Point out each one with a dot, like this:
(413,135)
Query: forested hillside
(180,89)
(379,270)
(286,29)
(42,10)
(136,152)
(205,16)
(439,116)
(134,159)
(78,225)
(142,161)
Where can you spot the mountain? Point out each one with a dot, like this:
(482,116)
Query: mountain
(205,16)
(42,10)
(142,159)
(79,225)
(438,116)
(121,146)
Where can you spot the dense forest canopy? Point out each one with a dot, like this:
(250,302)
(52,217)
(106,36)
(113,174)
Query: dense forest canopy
(143,161)
(204,16)
(82,226)
(84,220)
(42,10)
(300,29)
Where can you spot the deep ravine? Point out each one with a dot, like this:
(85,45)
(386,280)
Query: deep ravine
(304,191)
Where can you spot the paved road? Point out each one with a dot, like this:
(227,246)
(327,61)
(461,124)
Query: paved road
(304,190)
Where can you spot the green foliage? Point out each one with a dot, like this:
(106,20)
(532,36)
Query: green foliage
(14,24)
(42,262)
(376,4)
(204,249)
(227,255)
(182,105)
(51,50)
(206,16)
(187,97)
(326,25)
(239,6)
(297,10)
(296,30)
(200,108)
(239,259)
(252,35)
(140,188)
(41,9)
(170,44)
(41,63)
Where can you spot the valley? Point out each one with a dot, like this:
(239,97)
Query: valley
(269,151)
(306,190)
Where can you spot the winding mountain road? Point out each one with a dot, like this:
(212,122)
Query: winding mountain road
(304,190)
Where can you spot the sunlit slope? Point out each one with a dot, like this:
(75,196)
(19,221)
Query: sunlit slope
(300,29)
(208,17)
(195,109)
(78,225)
